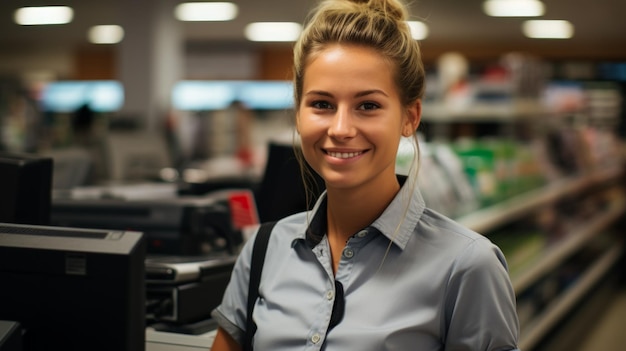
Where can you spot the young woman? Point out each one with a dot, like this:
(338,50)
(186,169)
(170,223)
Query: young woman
(369,267)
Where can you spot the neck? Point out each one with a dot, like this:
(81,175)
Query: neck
(350,210)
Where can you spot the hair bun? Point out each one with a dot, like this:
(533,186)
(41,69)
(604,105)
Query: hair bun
(392,8)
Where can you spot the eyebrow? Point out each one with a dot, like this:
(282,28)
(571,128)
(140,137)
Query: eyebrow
(357,95)
(370,92)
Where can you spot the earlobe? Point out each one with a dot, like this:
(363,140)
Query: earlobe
(406,130)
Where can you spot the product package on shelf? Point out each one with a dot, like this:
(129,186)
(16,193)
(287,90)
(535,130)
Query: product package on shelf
(479,163)
(498,168)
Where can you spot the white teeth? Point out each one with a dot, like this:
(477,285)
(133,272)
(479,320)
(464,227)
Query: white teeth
(344,154)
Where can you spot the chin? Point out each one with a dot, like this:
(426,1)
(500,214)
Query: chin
(343,181)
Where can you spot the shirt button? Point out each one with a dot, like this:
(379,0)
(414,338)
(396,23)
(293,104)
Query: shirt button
(362,233)
(330,294)
(315,338)
(348,253)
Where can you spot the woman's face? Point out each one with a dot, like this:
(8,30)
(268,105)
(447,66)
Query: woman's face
(350,118)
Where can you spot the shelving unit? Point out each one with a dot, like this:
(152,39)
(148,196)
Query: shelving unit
(486,220)
(542,324)
(506,117)
(560,251)
(504,112)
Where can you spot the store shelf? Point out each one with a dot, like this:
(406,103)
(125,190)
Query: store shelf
(487,219)
(504,112)
(542,324)
(507,116)
(554,256)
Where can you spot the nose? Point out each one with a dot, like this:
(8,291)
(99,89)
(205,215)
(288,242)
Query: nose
(342,125)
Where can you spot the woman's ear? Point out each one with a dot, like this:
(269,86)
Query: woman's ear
(413,118)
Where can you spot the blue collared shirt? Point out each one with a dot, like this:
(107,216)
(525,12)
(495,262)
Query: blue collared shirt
(413,280)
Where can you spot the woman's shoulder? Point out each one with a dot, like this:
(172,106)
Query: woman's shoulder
(446,225)
(290,227)
(462,242)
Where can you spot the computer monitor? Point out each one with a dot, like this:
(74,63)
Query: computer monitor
(132,156)
(72,288)
(25,188)
(281,191)
(10,336)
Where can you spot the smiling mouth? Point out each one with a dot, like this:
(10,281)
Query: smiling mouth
(344,155)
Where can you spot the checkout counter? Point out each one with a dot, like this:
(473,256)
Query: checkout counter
(168,341)
(193,236)
(192,245)
(180,225)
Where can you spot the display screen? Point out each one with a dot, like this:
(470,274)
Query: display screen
(217,95)
(69,96)
(613,71)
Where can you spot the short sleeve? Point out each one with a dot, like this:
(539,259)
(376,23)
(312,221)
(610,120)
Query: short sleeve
(230,315)
(480,311)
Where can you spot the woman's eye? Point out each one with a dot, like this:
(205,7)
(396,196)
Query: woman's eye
(322,105)
(368,106)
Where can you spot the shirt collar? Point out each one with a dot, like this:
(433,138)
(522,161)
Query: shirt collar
(397,222)
(400,218)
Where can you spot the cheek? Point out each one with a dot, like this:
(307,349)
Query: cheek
(308,153)
(309,128)
(310,137)
(307,142)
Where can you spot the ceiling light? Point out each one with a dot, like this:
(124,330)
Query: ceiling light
(29,16)
(419,30)
(273,31)
(206,11)
(513,8)
(548,29)
(105,34)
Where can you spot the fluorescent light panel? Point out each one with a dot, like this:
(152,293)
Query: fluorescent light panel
(273,31)
(206,11)
(548,29)
(419,30)
(106,34)
(514,8)
(31,16)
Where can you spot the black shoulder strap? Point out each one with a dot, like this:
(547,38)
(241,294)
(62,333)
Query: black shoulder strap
(256,268)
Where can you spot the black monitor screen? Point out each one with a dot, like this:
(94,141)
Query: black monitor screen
(73,289)
(282,191)
(25,188)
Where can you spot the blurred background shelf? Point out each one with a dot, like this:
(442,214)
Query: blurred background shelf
(564,248)
(485,220)
(542,324)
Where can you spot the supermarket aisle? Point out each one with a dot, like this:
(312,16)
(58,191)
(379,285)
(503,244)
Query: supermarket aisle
(608,334)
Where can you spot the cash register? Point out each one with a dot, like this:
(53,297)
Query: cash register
(192,242)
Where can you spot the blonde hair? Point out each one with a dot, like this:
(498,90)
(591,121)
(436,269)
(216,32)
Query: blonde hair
(377,24)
